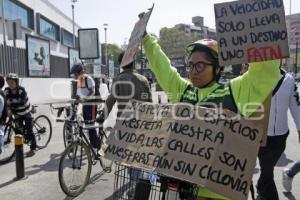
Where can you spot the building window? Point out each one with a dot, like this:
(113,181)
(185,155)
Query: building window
(48,28)
(15,10)
(67,38)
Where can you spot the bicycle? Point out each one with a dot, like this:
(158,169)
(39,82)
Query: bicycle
(70,114)
(42,130)
(79,157)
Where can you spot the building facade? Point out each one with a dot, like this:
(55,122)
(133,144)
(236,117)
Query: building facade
(293,28)
(41,21)
(197,28)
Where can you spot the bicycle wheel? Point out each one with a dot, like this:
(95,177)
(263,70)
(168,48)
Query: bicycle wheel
(42,130)
(8,150)
(105,163)
(74,173)
(68,132)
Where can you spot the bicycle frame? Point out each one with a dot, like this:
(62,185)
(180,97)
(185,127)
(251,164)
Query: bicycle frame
(83,138)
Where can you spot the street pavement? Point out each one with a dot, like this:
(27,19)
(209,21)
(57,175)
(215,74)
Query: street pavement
(41,181)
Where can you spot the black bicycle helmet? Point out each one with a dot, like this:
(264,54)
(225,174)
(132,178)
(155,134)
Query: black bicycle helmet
(77,68)
(12,76)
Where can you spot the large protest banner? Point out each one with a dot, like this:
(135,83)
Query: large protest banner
(135,38)
(251,31)
(213,149)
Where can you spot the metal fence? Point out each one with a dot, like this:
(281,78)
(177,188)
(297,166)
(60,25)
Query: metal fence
(7,62)
(59,66)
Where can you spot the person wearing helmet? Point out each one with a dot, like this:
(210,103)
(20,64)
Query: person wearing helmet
(86,90)
(203,87)
(126,86)
(19,106)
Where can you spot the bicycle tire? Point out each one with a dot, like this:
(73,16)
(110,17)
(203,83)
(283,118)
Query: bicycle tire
(106,164)
(40,129)
(74,190)
(8,150)
(67,133)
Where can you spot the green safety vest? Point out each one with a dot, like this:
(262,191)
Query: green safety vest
(221,95)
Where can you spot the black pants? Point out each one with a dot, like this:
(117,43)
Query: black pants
(268,157)
(89,113)
(26,121)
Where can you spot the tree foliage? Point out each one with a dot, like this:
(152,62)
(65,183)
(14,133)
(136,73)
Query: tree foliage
(174,41)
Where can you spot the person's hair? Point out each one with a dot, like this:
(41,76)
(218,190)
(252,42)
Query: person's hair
(2,81)
(129,66)
(210,57)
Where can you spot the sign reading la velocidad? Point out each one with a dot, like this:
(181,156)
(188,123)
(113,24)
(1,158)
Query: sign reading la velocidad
(251,31)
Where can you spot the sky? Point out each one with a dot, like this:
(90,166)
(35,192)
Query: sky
(121,15)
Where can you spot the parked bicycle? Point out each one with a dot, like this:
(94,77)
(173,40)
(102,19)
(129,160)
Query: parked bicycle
(77,159)
(42,130)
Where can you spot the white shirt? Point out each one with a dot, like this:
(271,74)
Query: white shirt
(285,98)
(85,85)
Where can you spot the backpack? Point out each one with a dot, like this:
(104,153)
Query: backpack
(4,111)
(97,85)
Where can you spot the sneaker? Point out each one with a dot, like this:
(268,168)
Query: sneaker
(30,153)
(286,180)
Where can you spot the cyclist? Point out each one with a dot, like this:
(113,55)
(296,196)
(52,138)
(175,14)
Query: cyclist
(86,90)
(19,106)
(203,86)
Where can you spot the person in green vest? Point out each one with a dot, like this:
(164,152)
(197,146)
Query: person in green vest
(241,95)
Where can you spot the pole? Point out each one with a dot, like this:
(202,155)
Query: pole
(4,36)
(19,154)
(296,65)
(106,50)
(290,7)
(290,28)
(15,48)
(73,24)
(142,65)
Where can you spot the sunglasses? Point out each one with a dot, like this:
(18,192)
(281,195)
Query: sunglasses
(199,66)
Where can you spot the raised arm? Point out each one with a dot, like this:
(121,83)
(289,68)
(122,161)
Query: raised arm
(167,76)
(254,86)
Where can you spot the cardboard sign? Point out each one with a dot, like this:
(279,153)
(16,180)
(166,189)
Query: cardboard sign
(213,149)
(251,31)
(135,38)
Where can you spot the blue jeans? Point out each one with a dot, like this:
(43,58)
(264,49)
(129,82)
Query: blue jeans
(1,143)
(294,169)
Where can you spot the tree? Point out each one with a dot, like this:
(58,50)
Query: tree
(113,52)
(174,41)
